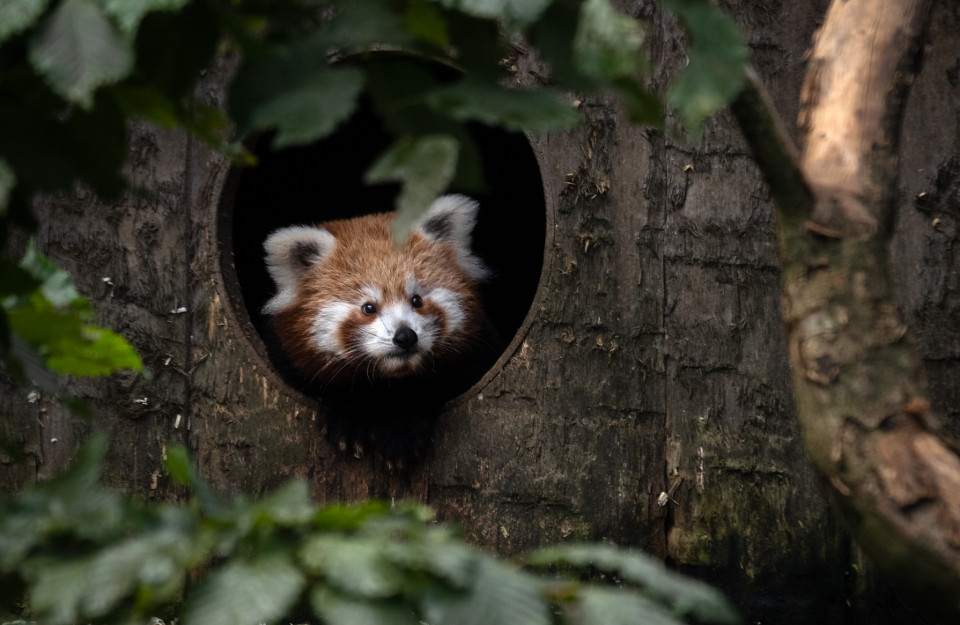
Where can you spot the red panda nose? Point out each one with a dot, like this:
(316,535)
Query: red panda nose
(405,338)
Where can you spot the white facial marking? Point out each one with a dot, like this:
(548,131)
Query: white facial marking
(452,304)
(326,326)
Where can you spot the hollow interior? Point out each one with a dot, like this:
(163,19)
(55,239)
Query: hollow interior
(324,181)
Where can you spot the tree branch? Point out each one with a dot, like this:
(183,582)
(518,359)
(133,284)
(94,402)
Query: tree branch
(892,476)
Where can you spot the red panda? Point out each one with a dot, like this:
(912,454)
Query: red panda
(382,333)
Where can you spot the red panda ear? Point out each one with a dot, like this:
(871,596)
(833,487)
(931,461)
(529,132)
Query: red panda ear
(451,219)
(290,253)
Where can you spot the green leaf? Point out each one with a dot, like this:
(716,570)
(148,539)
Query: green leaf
(682,595)
(340,518)
(56,285)
(537,110)
(295,93)
(70,346)
(438,554)
(643,106)
(129,13)
(516,13)
(360,25)
(353,564)
(260,591)
(290,505)
(612,606)
(147,102)
(335,608)
(95,351)
(58,591)
(424,21)
(78,49)
(18,15)
(499,594)
(607,44)
(424,166)
(178,465)
(717,62)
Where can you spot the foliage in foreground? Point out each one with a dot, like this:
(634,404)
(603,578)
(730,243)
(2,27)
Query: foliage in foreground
(76,71)
(82,554)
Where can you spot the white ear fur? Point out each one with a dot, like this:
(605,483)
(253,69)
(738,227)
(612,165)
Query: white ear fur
(451,219)
(290,253)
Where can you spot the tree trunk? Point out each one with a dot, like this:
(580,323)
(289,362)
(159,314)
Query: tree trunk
(647,398)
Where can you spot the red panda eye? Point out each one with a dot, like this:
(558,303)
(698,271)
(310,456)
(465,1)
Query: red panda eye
(368,309)
(416,301)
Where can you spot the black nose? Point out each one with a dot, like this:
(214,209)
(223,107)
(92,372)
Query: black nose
(405,338)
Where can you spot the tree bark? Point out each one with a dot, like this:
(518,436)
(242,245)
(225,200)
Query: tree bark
(652,361)
(888,468)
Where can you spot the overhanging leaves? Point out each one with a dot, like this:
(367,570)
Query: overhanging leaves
(424,166)
(515,109)
(607,43)
(499,594)
(682,596)
(513,12)
(716,70)
(129,13)
(295,93)
(245,593)
(78,49)
(18,15)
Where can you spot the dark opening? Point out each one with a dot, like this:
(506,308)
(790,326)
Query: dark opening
(324,181)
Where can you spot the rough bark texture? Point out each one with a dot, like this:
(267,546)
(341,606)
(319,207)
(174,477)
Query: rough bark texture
(866,421)
(652,360)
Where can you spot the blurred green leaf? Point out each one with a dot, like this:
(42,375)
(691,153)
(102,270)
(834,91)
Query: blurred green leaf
(499,594)
(424,166)
(342,518)
(177,464)
(56,285)
(70,346)
(58,591)
(354,564)
(682,596)
(244,593)
(77,49)
(643,107)
(717,62)
(129,13)
(437,553)
(513,12)
(294,92)
(514,109)
(607,43)
(338,609)
(424,21)
(147,103)
(613,606)
(360,25)
(289,505)
(18,15)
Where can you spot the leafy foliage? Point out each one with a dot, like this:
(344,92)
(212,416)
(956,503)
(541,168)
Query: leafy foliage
(717,58)
(80,553)
(76,70)
(45,311)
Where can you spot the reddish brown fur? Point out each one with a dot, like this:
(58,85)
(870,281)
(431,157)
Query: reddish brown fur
(366,255)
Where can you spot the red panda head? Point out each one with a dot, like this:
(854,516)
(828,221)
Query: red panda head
(351,301)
